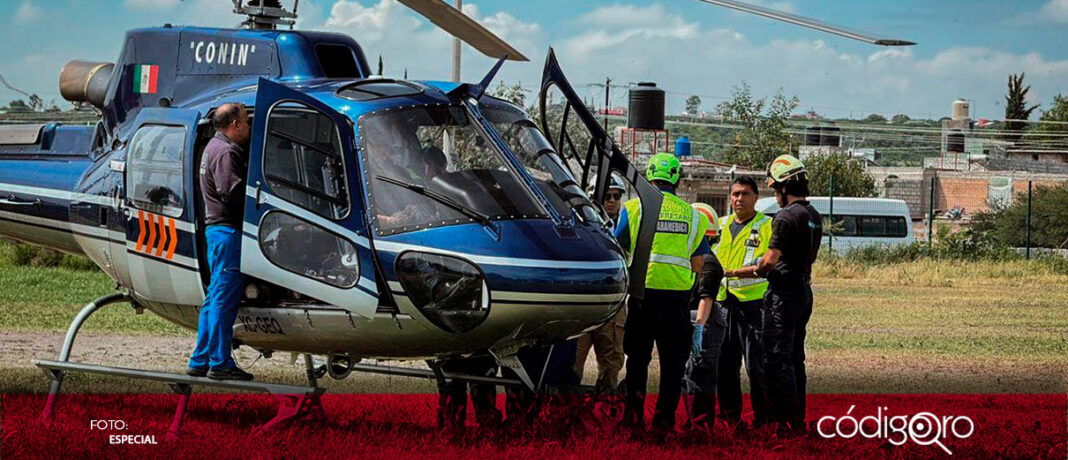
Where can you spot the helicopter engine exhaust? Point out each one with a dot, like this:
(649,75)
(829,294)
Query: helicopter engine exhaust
(339,366)
(85,81)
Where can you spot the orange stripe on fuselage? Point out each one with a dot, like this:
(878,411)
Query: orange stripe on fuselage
(174,240)
(141,225)
(162,235)
(151,233)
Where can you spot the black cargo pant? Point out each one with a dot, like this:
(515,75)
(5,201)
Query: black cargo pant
(452,396)
(743,343)
(704,372)
(787,308)
(662,317)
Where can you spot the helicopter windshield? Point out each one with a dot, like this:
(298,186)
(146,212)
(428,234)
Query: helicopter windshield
(540,160)
(436,150)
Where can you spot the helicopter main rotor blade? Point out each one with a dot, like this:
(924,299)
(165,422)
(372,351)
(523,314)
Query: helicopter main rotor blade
(807,22)
(457,24)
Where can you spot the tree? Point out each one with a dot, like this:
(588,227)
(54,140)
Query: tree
(18,105)
(875,118)
(513,94)
(693,105)
(1016,106)
(1057,114)
(899,119)
(1049,219)
(850,178)
(763,135)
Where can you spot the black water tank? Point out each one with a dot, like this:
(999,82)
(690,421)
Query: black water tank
(830,135)
(646,107)
(812,135)
(955,142)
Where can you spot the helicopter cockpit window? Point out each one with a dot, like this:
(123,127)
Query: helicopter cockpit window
(154,165)
(541,161)
(302,160)
(429,166)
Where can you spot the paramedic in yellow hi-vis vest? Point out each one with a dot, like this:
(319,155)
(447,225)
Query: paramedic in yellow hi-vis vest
(663,316)
(744,239)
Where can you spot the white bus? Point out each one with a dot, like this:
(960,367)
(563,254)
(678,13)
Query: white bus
(861,221)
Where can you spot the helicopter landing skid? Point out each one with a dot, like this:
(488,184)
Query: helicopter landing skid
(294,401)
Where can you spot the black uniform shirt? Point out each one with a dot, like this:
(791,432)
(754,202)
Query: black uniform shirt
(796,231)
(708,280)
(222,181)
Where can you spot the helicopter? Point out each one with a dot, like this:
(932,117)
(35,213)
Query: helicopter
(353,248)
(384,219)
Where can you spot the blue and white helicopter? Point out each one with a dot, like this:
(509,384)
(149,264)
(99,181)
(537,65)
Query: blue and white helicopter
(384,218)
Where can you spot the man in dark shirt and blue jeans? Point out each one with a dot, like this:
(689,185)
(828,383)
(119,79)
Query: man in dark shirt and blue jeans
(223,169)
(796,232)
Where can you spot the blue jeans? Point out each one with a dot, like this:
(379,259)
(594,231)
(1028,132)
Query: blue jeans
(215,329)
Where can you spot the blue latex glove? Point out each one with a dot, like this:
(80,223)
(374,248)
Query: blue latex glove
(698,337)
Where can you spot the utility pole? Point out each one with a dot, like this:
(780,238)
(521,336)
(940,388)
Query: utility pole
(607,89)
(456,49)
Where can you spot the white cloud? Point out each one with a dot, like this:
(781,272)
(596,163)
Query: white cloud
(28,12)
(710,61)
(408,41)
(1054,11)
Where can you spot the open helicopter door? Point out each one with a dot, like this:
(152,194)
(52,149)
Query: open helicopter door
(304,228)
(584,144)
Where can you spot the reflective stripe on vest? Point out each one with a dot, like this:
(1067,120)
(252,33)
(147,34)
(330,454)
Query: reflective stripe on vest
(669,258)
(732,258)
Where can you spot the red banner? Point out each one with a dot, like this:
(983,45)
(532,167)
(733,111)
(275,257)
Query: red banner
(226,426)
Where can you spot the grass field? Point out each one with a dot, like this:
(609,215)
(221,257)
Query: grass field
(932,326)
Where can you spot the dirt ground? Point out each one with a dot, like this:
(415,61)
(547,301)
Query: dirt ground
(859,371)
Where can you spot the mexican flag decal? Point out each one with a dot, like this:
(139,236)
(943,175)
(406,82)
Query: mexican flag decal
(145,77)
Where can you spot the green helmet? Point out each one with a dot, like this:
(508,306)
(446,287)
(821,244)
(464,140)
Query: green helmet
(784,168)
(665,167)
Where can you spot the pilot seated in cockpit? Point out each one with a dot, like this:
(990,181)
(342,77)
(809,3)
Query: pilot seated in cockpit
(419,170)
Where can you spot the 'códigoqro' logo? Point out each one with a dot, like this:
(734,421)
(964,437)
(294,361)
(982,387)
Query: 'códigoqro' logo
(923,428)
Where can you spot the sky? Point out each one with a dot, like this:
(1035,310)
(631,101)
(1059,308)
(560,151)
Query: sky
(966,48)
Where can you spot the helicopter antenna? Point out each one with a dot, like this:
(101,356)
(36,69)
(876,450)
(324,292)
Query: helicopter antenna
(265,14)
(808,22)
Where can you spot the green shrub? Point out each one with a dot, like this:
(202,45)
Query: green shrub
(14,254)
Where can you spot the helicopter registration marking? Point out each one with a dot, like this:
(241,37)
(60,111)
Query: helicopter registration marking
(262,325)
(222,53)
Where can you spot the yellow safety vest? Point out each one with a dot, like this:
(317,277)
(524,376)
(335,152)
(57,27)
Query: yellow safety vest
(750,245)
(678,234)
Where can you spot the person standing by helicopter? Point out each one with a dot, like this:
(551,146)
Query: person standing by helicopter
(223,168)
(607,340)
(710,328)
(742,243)
(796,232)
(663,315)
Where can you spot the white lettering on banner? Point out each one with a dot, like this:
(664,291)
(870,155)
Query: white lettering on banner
(226,53)
(923,428)
(667,226)
(132,439)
